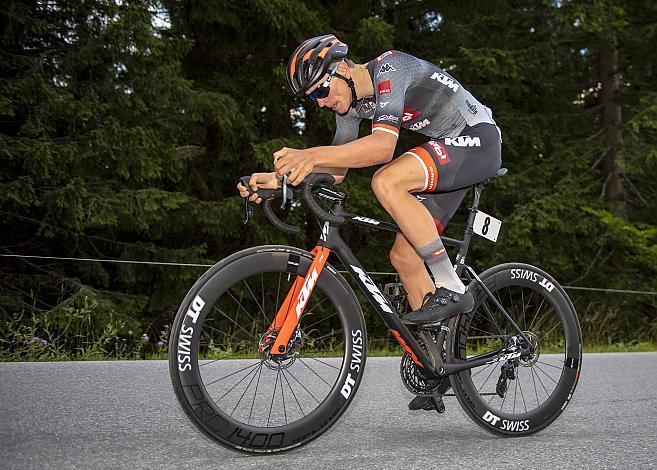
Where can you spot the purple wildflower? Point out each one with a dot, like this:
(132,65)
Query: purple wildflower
(35,340)
(144,337)
(160,343)
(44,342)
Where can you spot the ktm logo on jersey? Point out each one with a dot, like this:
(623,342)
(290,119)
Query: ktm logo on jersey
(463,141)
(419,125)
(448,82)
(410,114)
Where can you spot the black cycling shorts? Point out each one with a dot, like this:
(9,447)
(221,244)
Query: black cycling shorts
(456,162)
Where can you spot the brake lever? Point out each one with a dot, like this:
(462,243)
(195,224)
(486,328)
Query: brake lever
(284,187)
(248,210)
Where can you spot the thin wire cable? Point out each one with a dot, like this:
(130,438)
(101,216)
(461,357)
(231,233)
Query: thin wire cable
(376,273)
(96,260)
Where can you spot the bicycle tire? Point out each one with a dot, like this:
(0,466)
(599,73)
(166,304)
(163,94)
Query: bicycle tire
(192,348)
(507,282)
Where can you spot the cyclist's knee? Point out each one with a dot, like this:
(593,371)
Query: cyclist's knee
(383,183)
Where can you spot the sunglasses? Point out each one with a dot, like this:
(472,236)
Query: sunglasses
(324,89)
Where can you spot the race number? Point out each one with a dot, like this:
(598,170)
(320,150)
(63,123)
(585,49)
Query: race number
(487,226)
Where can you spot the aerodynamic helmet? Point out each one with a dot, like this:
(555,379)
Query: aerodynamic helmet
(311,60)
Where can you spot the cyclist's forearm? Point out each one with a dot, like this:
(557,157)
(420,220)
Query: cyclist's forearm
(370,150)
(337,173)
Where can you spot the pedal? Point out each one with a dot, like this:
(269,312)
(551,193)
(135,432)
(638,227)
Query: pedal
(438,403)
(393,291)
(427,403)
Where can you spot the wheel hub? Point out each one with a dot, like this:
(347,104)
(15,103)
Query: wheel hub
(530,359)
(279,361)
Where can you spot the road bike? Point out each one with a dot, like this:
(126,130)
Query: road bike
(269,346)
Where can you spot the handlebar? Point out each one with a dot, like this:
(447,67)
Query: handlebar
(312,181)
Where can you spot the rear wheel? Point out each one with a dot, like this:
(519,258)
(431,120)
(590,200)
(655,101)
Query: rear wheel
(517,395)
(233,390)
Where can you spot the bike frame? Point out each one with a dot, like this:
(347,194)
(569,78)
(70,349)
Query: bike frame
(330,240)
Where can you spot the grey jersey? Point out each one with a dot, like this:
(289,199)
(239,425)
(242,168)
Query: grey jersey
(416,95)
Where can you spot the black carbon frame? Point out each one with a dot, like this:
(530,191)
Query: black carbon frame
(331,239)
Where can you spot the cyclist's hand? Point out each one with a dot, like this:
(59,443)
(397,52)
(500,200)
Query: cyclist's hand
(297,164)
(259,180)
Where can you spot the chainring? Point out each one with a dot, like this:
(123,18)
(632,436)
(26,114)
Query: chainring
(413,378)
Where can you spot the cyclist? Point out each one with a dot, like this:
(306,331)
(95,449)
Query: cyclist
(397,90)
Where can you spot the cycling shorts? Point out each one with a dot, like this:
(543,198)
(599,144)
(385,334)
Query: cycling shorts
(456,162)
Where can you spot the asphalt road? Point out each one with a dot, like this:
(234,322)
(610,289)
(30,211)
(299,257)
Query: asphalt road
(125,415)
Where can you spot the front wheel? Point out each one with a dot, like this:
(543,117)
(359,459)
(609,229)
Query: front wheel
(514,395)
(231,388)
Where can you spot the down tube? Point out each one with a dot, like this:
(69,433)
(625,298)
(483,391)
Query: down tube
(383,307)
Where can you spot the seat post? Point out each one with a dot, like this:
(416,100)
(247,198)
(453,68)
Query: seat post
(459,262)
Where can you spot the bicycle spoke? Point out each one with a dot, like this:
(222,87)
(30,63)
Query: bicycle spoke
(278,291)
(233,373)
(256,301)
(548,375)
(515,394)
(482,385)
(311,370)
(239,305)
(220,331)
(541,339)
(536,314)
(273,396)
(210,362)
(325,363)
(293,394)
(307,328)
(262,288)
(489,315)
(233,387)
(238,325)
(522,296)
(327,335)
(550,365)
(254,397)
(522,395)
(245,390)
(302,386)
(283,398)
(317,305)
(479,372)
(541,382)
(547,315)
(531,369)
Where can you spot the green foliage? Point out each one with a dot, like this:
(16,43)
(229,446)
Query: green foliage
(122,137)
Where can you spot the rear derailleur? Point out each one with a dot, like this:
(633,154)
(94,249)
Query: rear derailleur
(507,372)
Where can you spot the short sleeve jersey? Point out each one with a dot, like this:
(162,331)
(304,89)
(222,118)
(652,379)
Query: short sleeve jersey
(416,95)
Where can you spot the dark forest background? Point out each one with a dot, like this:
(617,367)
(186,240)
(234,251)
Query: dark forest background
(124,126)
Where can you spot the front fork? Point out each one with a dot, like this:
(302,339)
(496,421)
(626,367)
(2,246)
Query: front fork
(288,316)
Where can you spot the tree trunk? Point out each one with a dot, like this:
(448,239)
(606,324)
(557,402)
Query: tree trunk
(614,190)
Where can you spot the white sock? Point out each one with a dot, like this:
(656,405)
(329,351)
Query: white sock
(435,256)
